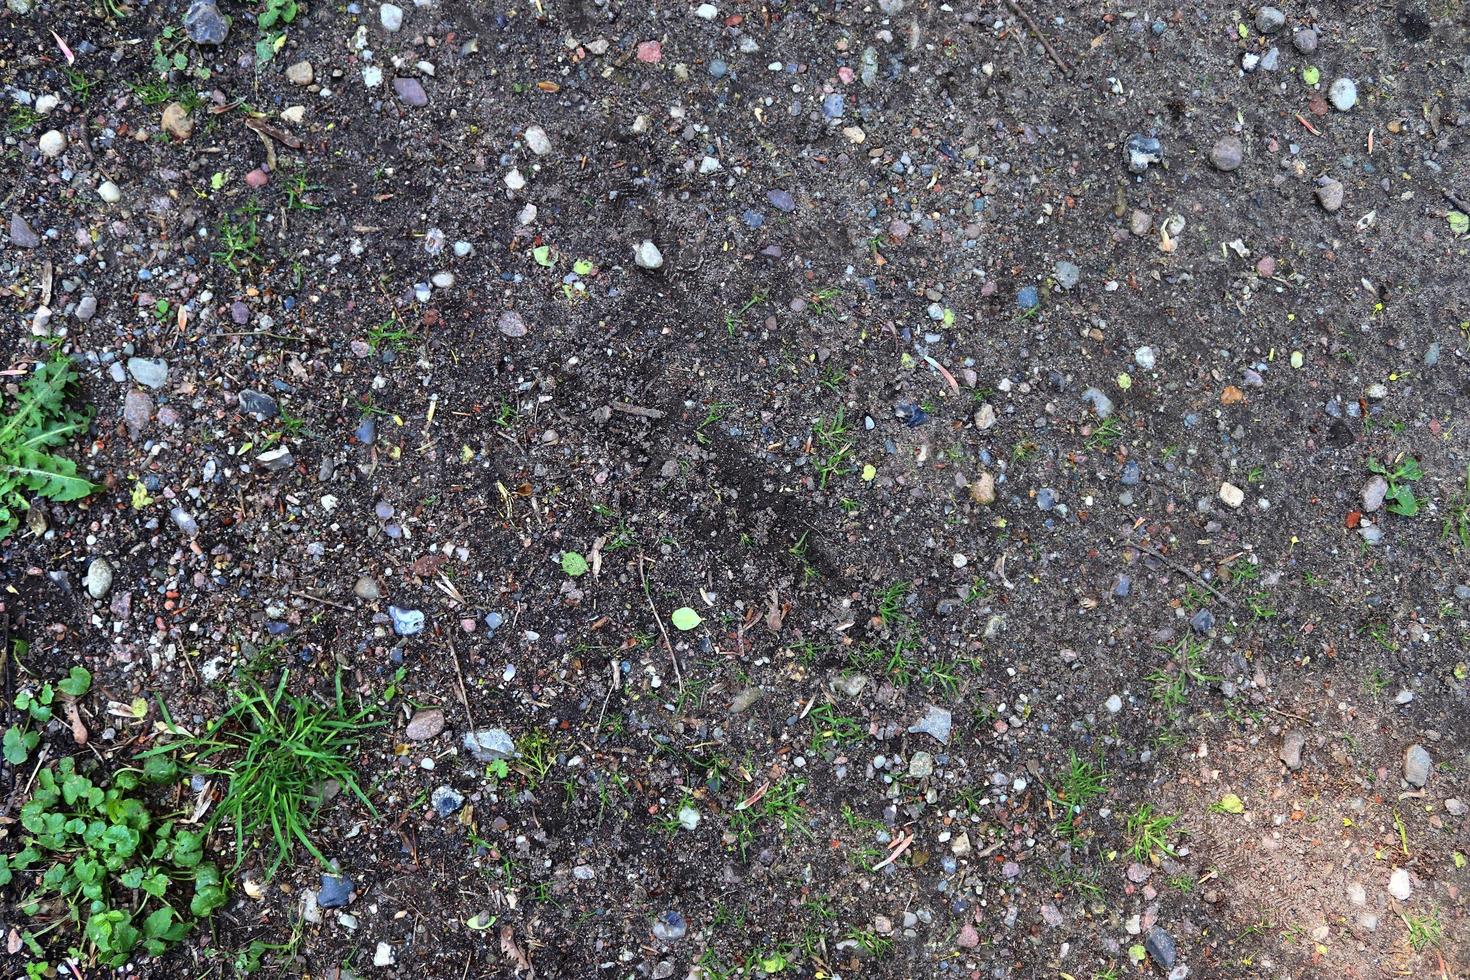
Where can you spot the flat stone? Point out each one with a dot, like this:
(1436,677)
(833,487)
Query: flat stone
(276,460)
(511,324)
(1160,947)
(1373,493)
(446,800)
(257,403)
(391,17)
(21,233)
(538,141)
(1142,151)
(1343,94)
(300,73)
(335,893)
(921,764)
(425,725)
(406,622)
(1400,886)
(148,372)
(137,412)
(1231,495)
(1305,40)
(410,92)
(1269,20)
(1291,749)
(936,722)
(1417,765)
(366,587)
(1329,194)
(490,744)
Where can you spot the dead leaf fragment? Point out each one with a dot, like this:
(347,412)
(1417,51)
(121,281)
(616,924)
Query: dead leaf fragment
(514,954)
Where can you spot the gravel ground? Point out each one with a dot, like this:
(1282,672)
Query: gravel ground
(828,490)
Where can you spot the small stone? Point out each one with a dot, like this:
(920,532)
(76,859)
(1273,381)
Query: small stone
(921,765)
(109,192)
(935,722)
(277,460)
(424,725)
(1202,621)
(1067,274)
(850,685)
(647,255)
(968,938)
(205,24)
(1142,151)
(86,308)
(98,579)
(1228,153)
(1417,765)
(446,800)
(1343,94)
(985,417)
(669,927)
(706,11)
(1028,297)
(383,955)
(1160,946)
(391,17)
(258,403)
(982,490)
(1145,358)
(1399,884)
(650,52)
(490,744)
(1100,402)
(52,143)
(781,200)
(301,73)
(538,141)
(1373,493)
(366,587)
(1329,194)
(1357,894)
(137,412)
(510,324)
(336,891)
(257,178)
(1291,749)
(1231,495)
(22,235)
(177,122)
(148,372)
(410,92)
(406,622)
(1140,223)
(1114,704)
(1305,40)
(1269,20)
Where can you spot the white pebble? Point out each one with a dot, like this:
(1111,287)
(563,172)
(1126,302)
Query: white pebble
(514,180)
(45,103)
(538,141)
(52,143)
(391,17)
(109,192)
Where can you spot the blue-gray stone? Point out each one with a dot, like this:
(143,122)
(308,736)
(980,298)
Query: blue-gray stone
(781,200)
(205,24)
(1203,621)
(336,891)
(446,800)
(406,622)
(259,404)
(1160,946)
(669,926)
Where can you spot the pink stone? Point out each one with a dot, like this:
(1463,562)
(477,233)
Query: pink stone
(650,52)
(846,75)
(968,937)
(468,625)
(1266,267)
(257,178)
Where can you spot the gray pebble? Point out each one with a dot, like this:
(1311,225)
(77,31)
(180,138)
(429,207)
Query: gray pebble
(490,744)
(410,92)
(205,24)
(1305,40)
(1066,274)
(406,622)
(258,403)
(1269,20)
(1417,765)
(1373,493)
(1228,153)
(22,235)
(148,372)
(1329,194)
(98,579)
(1100,402)
(1291,749)
(137,412)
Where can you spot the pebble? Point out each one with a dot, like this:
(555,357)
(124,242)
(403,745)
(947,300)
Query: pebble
(391,17)
(1145,358)
(86,308)
(921,765)
(1329,194)
(406,622)
(1399,884)
(177,122)
(1291,749)
(301,73)
(98,579)
(1028,298)
(538,141)
(647,255)
(1417,765)
(22,235)
(1305,40)
(650,52)
(490,744)
(137,412)
(982,490)
(1202,621)
(1067,274)
(277,460)
(1142,151)
(446,800)
(109,192)
(336,891)
(1140,223)
(1269,20)
(148,372)
(1373,493)
(1231,495)
(410,92)
(424,725)
(258,403)
(1100,402)
(366,587)
(781,200)
(669,927)
(1343,94)
(935,722)
(1160,946)
(383,955)
(1228,153)
(510,323)
(204,23)
(52,143)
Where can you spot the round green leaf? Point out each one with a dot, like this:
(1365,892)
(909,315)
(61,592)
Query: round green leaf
(573,564)
(685,618)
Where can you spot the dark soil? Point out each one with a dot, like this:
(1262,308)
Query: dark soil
(786,427)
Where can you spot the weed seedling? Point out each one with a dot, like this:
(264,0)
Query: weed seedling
(1172,682)
(1400,498)
(1107,434)
(1148,833)
(1456,528)
(832,447)
(35,422)
(1424,931)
